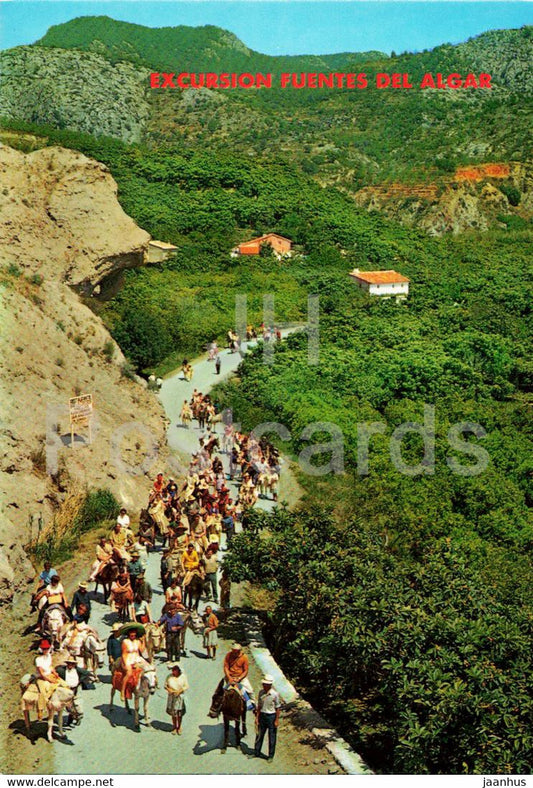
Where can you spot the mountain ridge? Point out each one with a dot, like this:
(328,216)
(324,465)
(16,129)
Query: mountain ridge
(351,139)
(199,44)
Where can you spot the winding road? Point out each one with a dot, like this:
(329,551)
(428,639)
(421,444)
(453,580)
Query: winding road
(106,743)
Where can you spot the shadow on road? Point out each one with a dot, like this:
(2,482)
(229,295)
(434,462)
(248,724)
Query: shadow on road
(118,716)
(162,726)
(210,738)
(38,730)
(198,654)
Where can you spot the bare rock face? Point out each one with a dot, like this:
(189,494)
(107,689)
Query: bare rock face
(79,232)
(60,222)
(74,90)
(475,198)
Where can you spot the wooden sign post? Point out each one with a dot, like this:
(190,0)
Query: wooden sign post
(81,410)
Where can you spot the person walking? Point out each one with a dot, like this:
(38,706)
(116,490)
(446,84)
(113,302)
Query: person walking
(173,621)
(225,590)
(228,526)
(165,569)
(114,645)
(135,569)
(176,685)
(186,414)
(218,364)
(267,717)
(210,632)
(210,562)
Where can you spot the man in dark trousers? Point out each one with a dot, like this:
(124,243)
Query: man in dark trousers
(135,568)
(166,570)
(267,717)
(218,364)
(173,621)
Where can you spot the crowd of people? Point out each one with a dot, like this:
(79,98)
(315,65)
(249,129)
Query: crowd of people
(268,333)
(254,463)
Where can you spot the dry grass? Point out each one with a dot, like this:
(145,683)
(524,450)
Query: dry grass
(60,525)
(259,598)
(38,458)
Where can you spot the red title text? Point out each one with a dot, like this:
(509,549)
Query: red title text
(316,80)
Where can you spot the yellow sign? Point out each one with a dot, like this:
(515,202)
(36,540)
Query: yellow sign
(80,406)
(81,409)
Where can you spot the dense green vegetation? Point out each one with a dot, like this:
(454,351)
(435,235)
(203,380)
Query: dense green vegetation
(350,137)
(205,204)
(411,592)
(424,662)
(205,48)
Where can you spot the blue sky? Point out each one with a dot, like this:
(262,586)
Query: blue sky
(286,27)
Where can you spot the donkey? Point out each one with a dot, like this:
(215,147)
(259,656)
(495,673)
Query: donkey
(146,685)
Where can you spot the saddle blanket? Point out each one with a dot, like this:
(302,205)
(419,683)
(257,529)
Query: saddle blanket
(118,677)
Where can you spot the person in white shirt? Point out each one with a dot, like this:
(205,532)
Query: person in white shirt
(70,673)
(123,519)
(267,717)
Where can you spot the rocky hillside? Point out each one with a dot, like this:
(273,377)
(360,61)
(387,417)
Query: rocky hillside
(476,198)
(80,234)
(77,90)
(60,224)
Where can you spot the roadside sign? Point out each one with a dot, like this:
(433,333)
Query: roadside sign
(81,410)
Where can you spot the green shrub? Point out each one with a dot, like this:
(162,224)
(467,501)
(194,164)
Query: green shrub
(426,661)
(98,506)
(109,350)
(14,270)
(127,370)
(512,193)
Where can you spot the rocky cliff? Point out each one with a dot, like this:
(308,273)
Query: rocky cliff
(60,224)
(475,198)
(80,234)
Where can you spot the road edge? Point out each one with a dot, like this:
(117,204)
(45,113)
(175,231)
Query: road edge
(350,761)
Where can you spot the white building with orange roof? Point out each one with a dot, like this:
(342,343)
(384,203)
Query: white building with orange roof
(382,283)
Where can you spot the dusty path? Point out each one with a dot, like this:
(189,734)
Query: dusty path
(184,441)
(106,742)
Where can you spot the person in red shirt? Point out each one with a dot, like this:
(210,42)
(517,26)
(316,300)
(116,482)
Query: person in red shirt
(159,483)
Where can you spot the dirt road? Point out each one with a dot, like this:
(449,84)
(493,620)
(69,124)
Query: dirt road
(106,741)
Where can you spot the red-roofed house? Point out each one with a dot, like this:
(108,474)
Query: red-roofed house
(278,243)
(382,283)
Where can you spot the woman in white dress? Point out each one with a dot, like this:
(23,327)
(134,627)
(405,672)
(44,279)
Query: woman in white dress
(176,685)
